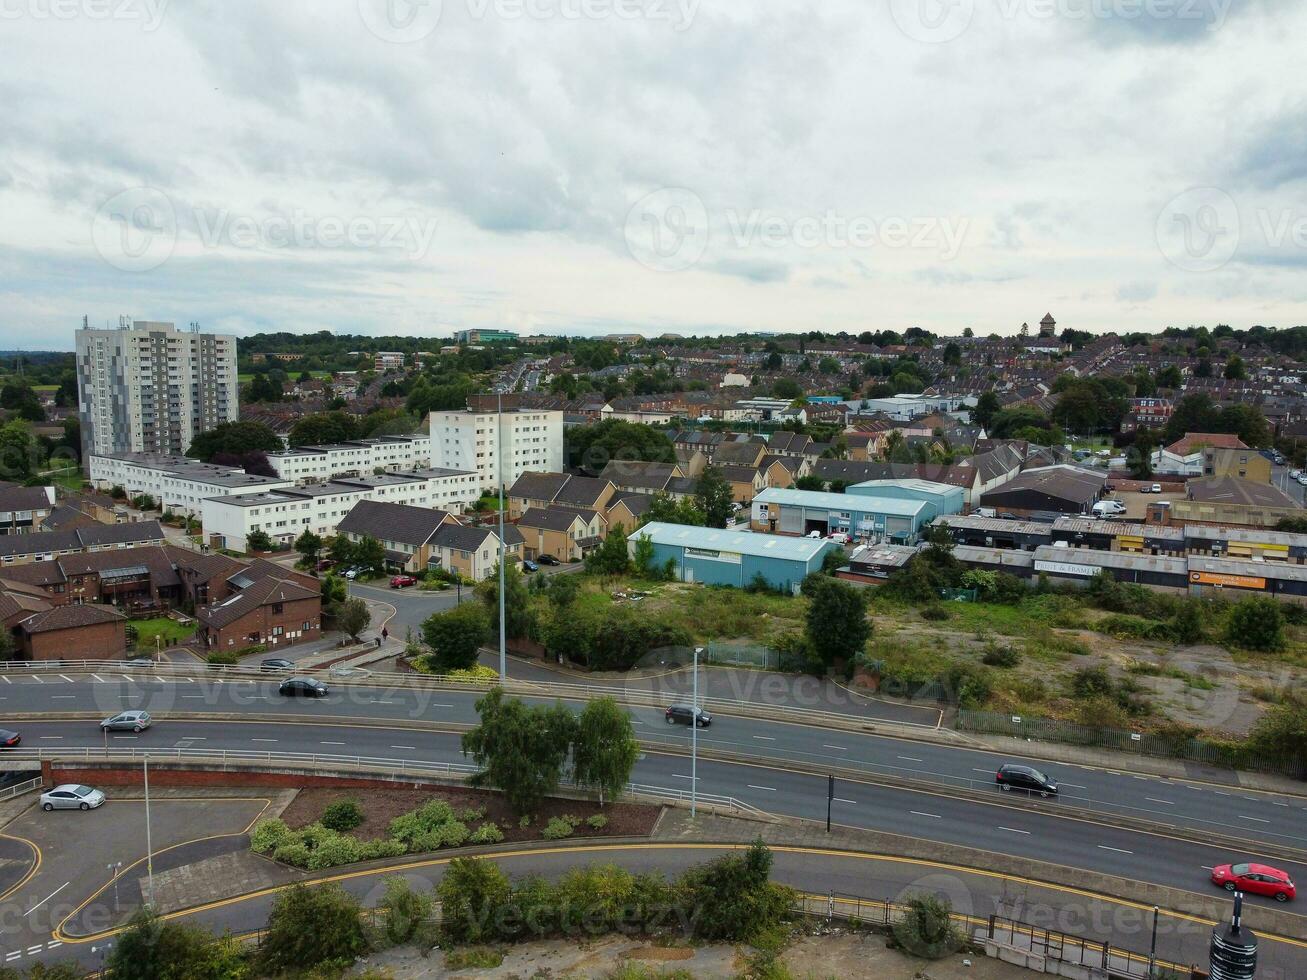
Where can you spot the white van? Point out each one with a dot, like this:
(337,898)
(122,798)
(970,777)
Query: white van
(1109,508)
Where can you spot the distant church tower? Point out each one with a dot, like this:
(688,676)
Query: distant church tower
(1048,326)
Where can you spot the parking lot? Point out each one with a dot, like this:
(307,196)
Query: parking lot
(92,863)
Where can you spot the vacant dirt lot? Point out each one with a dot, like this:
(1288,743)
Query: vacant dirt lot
(380,806)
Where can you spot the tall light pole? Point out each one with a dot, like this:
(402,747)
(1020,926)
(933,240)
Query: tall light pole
(499,469)
(694,739)
(149,845)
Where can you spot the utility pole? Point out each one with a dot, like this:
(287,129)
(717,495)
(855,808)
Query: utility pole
(503,552)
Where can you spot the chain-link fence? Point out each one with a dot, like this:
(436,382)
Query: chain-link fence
(1228,756)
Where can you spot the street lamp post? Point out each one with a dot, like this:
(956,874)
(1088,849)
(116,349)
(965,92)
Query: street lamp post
(149,845)
(499,448)
(694,738)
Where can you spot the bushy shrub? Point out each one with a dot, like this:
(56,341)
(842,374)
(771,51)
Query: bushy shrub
(450,834)
(597,822)
(1055,610)
(311,926)
(334,850)
(926,929)
(997,656)
(1256,623)
(1089,682)
(487,833)
(557,829)
(293,852)
(404,911)
(471,814)
(382,847)
(935,613)
(342,816)
(222,658)
(1124,626)
(268,834)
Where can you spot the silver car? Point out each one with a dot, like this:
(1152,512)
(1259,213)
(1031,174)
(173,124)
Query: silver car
(127,721)
(71,796)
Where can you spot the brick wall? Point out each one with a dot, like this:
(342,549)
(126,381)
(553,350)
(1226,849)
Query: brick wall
(103,641)
(263,621)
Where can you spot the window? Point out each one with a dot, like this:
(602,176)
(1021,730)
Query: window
(276,608)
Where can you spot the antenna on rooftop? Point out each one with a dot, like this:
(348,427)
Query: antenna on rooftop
(195,326)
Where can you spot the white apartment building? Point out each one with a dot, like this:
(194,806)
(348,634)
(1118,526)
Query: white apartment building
(284,514)
(149,388)
(498,447)
(179,483)
(314,464)
(387,360)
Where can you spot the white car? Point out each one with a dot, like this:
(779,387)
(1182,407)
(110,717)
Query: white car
(1302,480)
(1156,488)
(71,796)
(840,537)
(1294,474)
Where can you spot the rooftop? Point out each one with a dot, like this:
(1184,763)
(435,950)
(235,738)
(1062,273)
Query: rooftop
(744,542)
(862,503)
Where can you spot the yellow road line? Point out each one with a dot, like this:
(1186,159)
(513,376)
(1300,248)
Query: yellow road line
(779,848)
(31,872)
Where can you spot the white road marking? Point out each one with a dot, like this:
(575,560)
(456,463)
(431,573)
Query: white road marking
(411,748)
(986,771)
(1219,793)
(99,679)
(331,743)
(764,738)
(837,748)
(1072,785)
(1013,830)
(263,740)
(55,737)
(769,789)
(1104,847)
(8,681)
(908,758)
(1206,868)
(62,697)
(918,813)
(1153,799)
(193,697)
(43,901)
(67,678)
(37,679)
(677,775)
(1256,819)
(851,802)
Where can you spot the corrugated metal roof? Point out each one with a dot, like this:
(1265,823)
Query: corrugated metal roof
(1112,559)
(863,503)
(744,542)
(1284,571)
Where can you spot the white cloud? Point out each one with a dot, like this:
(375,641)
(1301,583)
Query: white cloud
(1055,140)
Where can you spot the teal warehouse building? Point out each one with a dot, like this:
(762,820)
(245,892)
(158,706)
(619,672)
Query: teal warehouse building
(736,558)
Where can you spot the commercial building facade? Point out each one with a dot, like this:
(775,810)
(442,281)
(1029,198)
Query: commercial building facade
(863,518)
(150,388)
(735,558)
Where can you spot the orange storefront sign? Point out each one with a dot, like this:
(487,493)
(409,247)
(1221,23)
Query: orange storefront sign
(1235,581)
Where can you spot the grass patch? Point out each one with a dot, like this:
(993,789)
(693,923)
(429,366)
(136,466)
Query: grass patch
(172,631)
(474,958)
(1140,668)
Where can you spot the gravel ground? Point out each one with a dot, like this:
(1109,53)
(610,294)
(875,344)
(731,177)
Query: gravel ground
(380,806)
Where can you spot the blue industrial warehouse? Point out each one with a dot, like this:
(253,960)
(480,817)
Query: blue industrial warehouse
(895,511)
(737,558)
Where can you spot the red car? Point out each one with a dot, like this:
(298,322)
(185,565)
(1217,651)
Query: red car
(9,739)
(399,581)
(1256,879)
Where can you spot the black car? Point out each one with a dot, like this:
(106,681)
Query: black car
(276,663)
(9,739)
(547,560)
(1028,778)
(681,714)
(302,687)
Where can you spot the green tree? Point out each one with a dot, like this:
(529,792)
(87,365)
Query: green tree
(258,541)
(22,401)
(712,495)
(309,545)
(1234,368)
(456,636)
(518,615)
(521,750)
(837,624)
(323,428)
(987,406)
(611,557)
(472,892)
(594,446)
(665,510)
(736,899)
(405,911)
(235,439)
(644,557)
(353,617)
(19,453)
(1192,413)
(1281,733)
(563,590)
(1169,377)
(151,948)
(369,555)
(1256,623)
(334,590)
(1248,423)
(952,354)
(604,748)
(786,388)
(340,549)
(1188,623)
(312,926)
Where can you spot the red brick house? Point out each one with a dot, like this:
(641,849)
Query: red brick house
(272,612)
(82,632)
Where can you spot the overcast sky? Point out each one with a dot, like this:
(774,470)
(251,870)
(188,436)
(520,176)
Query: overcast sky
(593,166)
